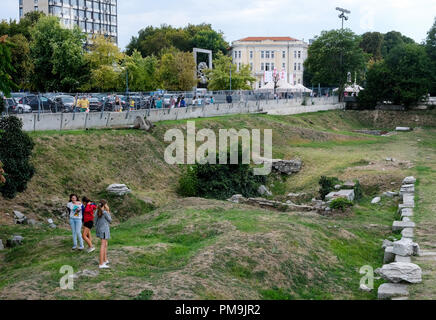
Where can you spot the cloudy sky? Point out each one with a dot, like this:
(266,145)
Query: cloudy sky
(302,19)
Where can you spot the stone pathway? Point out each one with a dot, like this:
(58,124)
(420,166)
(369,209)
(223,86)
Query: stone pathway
(398,268)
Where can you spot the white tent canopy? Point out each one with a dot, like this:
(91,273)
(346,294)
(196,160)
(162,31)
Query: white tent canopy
(283,86)
(300,88)
(354,88)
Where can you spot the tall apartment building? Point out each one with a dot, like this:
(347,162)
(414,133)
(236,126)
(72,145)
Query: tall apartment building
(92,16)
(265,54)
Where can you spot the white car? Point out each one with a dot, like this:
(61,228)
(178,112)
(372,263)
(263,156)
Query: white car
(14,107)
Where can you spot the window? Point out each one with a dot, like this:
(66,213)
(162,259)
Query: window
(267,67)
(295,66)
(283,66)
(240,54)
(262,54)
(262,66)
(251,66)
(284,54)
(299,81)
(236,54)
(295,54)
(272,54)
(299,66)
(267,54)
(272,66)
(251,54)
(299,54)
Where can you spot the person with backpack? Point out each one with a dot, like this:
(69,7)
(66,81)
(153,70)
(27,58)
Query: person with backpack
(88,222)
(75,214)
(103,220)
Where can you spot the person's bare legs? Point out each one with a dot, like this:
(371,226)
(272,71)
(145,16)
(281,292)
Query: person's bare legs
(105,251)
(102,251)
(87,236)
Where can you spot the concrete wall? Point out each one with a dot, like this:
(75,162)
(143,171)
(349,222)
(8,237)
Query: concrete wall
(98,120)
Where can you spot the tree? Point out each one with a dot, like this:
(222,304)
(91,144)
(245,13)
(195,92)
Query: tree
(430,45)
(105,62)
(372,43)
(143,72)
(177,71)
(58,56)
(22,62)
(219,76)
(393,39)
(154,41)
(15,150)
(403,78)
(6,68)
(324,58)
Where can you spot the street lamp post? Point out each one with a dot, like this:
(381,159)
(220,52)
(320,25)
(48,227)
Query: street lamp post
(230,76)
(343,17)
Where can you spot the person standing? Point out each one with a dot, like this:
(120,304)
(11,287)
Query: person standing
(182,102)
(75,215)
(88,222)
(159,103)
(172,102)
(102,226)
(212,100)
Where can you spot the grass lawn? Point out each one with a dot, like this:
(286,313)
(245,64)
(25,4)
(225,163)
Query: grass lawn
(207,249)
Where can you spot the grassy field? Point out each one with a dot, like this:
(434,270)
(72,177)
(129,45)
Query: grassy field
(206,249)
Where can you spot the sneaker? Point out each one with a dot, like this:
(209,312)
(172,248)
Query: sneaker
(74,248)
(91,250)
(81,249)
(104,266)
(106,262)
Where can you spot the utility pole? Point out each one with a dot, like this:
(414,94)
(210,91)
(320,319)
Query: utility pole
(343,17)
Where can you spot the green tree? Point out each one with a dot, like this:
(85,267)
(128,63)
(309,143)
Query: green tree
(58,56)
(430,45)
(324,58)
(143,72)
(6,68)
(372,43)
(403,78)
(105,62)
(15,150)
(154,41)
(393,39)
(22,62)
(177,71)
(219,76)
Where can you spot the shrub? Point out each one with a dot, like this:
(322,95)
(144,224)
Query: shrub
(188,183)
(358,191)
(341,204)
(327,185)
(15,150)
(218,181)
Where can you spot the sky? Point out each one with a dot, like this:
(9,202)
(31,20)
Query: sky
(301,19)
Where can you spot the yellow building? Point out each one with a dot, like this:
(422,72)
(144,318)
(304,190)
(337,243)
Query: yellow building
(285,55)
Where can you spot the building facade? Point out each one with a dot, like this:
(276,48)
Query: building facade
(92,16)
(266,55)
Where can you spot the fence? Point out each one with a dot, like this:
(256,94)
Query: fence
(72,121)
(53,102)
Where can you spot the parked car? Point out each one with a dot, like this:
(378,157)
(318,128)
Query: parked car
(65,104)
(13,107)
(95,104)
(46,105)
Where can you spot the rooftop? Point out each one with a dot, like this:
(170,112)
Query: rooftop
(268,38)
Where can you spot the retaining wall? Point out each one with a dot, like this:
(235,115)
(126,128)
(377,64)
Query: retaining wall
(98,120)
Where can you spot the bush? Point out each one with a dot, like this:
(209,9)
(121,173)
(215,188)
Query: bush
(358,191)
(327,185)
(341,204)
(15,150)
(218,181)
(188,183)
(145,295)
